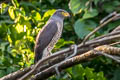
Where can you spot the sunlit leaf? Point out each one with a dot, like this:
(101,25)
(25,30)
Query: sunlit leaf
(78,72)
(3,8)
(48,13)
(19,28)
(11,12)
(89,73)
(30,38)
(36,16)
(62,42)
(27,23)
(9,39)
(15,3)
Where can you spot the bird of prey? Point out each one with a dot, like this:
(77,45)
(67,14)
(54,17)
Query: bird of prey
(49,34)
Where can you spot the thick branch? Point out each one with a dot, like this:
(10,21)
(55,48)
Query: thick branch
(76,60)
(15,75)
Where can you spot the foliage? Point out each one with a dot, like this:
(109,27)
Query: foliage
(80,73)
(20,22)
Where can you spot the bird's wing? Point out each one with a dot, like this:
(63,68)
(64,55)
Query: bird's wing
(44,38)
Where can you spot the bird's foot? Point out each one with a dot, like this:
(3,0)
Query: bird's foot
(50,53)
(57,65)
(75,51)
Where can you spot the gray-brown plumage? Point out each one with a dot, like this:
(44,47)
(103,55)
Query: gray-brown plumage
(49,34)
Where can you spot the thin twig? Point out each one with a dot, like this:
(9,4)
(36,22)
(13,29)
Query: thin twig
(99,27)
(110,34)
(115,43)
(107,17)
(116,58)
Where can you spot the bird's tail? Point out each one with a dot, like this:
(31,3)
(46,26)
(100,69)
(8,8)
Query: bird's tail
(38,55)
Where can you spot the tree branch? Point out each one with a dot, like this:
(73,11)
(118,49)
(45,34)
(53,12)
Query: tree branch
(81,48)
(76,60)
(101,25)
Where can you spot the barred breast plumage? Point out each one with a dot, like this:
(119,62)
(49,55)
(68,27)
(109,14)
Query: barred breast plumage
(56,37)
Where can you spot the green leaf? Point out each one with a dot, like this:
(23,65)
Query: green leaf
(51,1)
(6,21)
(77,6)
(17,32)
(36,17)
(3,8)
(2,73)
(3,30)
(27,4)
(96,1)
(108,8)
(90,14)
(116,74)
(10,69)
(78,72)
(19,28)
(100,76)
(11,12)
(15,3)
(62,42)
(89,73)
(23,26)
(83,27)
(3,45)
(48,13)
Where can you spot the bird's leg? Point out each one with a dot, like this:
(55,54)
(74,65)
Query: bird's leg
(57,65)
(75,51)
(50,52)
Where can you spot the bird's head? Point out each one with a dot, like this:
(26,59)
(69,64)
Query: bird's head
(61,13)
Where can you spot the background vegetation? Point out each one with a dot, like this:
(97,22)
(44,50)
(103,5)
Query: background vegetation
(21,20)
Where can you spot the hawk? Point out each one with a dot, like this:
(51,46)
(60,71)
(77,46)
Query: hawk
(49,34)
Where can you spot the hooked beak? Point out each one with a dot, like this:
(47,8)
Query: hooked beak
(66,14)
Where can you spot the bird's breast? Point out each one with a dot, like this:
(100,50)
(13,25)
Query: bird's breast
(56,37)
